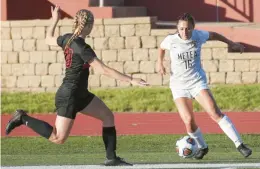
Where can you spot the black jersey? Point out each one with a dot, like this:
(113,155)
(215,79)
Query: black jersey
(77,56)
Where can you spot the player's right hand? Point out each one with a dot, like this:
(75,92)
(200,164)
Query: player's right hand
(161,70)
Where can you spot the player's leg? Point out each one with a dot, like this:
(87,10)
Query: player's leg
(183,103)
(185,109)
(57,134)
(207,101)
(20,117)
(63,124)
(65,105)
(97,109)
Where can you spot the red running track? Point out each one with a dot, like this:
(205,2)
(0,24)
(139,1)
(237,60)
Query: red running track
(146,123)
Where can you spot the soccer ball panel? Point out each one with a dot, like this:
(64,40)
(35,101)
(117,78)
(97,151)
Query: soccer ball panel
(187,152)
(186,147)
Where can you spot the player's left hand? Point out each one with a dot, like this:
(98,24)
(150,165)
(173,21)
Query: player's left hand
(237,47)
(55,13)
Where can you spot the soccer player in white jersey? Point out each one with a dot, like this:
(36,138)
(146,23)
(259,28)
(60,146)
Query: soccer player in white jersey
(188,81)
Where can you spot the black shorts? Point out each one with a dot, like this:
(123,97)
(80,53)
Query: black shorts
(70,99)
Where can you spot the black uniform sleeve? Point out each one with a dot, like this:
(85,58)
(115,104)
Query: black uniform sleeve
(88,54)
(61,40)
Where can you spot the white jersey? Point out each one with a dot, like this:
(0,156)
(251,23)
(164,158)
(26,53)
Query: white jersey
(186,70)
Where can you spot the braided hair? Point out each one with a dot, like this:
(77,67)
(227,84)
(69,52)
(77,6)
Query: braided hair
(83,17)
(186,17)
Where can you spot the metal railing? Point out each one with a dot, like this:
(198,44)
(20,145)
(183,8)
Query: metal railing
(101,3)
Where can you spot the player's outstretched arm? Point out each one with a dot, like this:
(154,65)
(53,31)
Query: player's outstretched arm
(50,38)
(235,46)
(105,70)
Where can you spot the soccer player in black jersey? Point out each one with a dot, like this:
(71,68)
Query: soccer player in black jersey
(73,95)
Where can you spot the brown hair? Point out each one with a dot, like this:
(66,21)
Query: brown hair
(82,18)
(186,17)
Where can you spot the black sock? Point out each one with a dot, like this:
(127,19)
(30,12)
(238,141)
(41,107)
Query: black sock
(109,138)
(39,126)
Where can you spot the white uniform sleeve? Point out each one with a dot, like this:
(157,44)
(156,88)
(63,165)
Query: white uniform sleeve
(203,36)
(166,43)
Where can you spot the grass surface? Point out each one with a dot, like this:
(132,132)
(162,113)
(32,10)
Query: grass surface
(150,99)
(137,149)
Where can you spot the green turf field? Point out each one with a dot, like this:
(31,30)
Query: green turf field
(137,149)
(150,99)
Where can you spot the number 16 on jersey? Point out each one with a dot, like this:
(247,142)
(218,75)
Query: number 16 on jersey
(188,64)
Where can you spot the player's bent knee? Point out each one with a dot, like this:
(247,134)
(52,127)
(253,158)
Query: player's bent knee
(59,140)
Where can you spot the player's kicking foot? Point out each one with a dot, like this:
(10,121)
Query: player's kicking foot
(117,162)
(15,121)
(201,153)
(244,150)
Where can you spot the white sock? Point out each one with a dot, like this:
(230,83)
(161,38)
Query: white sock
(197,136)
(229,129)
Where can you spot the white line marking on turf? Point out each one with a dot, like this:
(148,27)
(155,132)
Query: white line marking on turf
(144,166)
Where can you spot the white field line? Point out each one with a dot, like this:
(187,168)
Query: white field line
(144,166)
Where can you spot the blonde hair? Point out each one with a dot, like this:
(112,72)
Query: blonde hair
(83,17)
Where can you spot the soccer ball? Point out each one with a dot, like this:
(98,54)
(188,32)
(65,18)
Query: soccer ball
(186,147)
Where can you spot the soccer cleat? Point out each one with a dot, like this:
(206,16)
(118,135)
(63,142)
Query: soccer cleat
(244,150)
(15,121)
(201,153)
(117,162)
